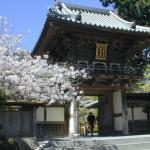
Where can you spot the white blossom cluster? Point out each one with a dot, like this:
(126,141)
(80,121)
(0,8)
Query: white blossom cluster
(33,78)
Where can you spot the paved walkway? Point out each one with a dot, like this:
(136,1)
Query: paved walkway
(86,138)
(131,142)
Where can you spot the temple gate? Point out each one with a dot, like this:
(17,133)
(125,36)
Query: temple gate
(104,44)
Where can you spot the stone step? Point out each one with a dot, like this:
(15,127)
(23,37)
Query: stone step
(99,143)
(106,147)
(133,146)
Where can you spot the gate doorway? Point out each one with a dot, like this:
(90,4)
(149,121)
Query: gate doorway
(83,114)
(101,107)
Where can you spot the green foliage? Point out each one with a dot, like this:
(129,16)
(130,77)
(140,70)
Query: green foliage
(143,86)
(83,114)
(6,144)
(92,98)
(147,72)
(83,117)
(84,111)
(132,10)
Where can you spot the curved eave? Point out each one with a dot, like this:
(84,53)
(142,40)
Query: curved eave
(91,26)
(41,37)
(23,103)
(80,24)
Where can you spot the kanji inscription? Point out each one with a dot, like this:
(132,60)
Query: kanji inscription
(101,51)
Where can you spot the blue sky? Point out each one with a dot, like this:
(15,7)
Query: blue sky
(30,15)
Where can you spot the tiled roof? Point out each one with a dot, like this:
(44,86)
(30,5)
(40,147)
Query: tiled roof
(93,17)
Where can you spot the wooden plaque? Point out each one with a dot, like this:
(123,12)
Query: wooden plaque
(101,51)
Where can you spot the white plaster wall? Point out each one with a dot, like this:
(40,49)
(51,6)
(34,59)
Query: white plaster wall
(118,122)
(139,114)
(55,114)
(117,103)
(40,114)
(129,113)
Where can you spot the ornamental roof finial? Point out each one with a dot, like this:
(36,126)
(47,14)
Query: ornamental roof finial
(133,26)
(79,17)
(58,4)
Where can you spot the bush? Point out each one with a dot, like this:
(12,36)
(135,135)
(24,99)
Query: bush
(8,144)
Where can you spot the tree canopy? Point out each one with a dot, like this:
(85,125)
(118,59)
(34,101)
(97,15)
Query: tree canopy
(132,10)
(33,78)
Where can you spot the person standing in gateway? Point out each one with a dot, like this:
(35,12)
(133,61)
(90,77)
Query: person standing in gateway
(91,122)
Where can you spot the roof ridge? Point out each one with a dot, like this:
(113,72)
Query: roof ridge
(93,17)
(127,23)
(86,8)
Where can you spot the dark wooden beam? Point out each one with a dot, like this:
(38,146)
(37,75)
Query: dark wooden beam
(22,103)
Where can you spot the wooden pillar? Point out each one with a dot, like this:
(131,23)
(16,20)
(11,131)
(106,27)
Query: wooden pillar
(120,111)
(132,111)
(105,114)
(111,112)
(99,113)
(74,119)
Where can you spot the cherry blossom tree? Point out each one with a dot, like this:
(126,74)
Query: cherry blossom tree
(33,78)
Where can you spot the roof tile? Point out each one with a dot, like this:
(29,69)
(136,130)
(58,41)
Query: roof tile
(94,17)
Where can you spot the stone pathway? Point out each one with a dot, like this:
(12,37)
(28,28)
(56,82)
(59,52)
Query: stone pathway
(137,142)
